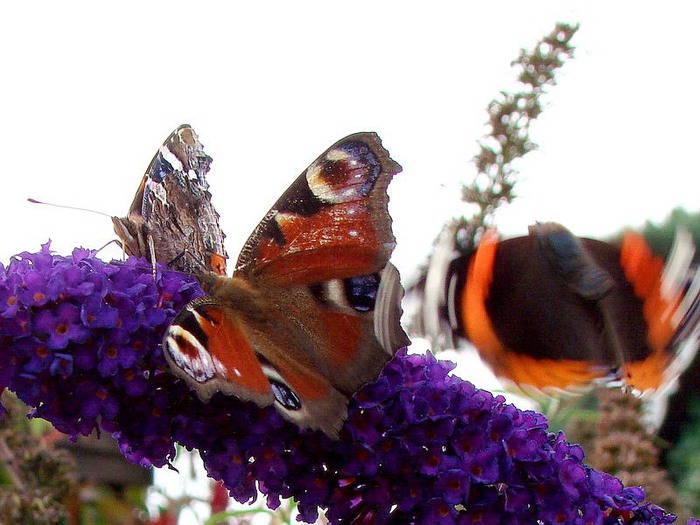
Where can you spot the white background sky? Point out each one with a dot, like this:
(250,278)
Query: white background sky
(89,92)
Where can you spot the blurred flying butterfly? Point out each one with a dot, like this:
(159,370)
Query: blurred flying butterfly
(555,312)
(312,310)
(172,219)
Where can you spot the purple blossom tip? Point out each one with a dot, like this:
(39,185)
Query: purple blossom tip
(81,344)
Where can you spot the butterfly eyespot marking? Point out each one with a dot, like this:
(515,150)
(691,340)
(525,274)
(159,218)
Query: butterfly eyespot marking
(188,322)
(282,392)
(361,291)
(358,293)
(190,356)
(186,344)
(345,174)
(285,396)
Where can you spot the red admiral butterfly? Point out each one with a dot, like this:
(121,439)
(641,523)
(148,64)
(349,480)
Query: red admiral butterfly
(551,310)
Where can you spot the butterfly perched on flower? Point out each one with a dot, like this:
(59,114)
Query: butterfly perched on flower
(172,219)
(312,310)
(555,312)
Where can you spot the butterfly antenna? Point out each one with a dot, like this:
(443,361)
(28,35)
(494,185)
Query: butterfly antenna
(35,201)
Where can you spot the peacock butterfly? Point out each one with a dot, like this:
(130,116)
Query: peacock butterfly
(312,310)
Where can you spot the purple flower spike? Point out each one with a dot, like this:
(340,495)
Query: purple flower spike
(81,343)
(79,348)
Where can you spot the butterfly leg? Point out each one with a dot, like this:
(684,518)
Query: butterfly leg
(152,253)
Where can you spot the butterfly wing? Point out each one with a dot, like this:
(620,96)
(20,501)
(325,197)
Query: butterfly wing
(667,290)
(529,305)
(210,349)
(332,222)
(240,343)
(322,253)
(172,218)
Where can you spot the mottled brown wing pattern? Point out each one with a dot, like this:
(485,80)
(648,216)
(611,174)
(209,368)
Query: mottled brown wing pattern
(172,219)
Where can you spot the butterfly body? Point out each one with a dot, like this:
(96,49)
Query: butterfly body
(556,312)
(312,309)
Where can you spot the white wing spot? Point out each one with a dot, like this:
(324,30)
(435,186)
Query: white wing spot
(320,187)
(201,368)
(157,190)
(171,158)
(338,154)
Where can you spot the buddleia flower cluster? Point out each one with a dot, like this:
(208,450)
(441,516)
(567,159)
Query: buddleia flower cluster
(81,344)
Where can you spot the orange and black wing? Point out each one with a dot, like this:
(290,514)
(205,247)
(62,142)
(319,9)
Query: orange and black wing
(553,311)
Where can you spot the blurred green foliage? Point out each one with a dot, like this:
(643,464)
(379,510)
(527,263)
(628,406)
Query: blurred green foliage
(660,236)
(36,480)
(683,460)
